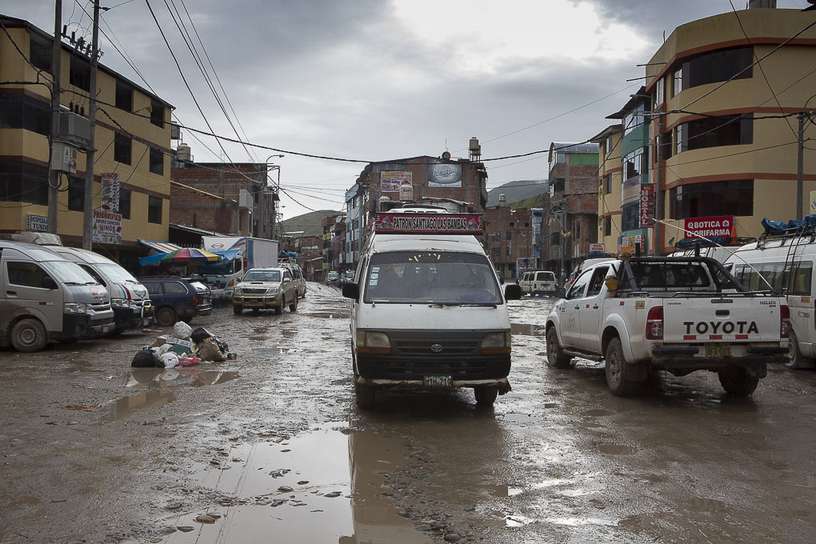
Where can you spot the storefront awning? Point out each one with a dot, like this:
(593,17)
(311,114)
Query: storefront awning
(160,247)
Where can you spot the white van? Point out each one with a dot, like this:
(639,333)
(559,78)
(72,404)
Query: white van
(44,297)
(428,308)
(131,304)
(768,257)
(538,282)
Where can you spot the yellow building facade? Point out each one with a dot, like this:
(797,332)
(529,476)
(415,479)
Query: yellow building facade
(609,187)
(132,139)
(715,152)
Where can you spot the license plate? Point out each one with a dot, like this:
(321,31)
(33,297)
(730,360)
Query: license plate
(444,382)
(718,350)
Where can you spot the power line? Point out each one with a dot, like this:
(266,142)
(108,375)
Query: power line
(214,71)
(183,78)
(188,41)
(761,69)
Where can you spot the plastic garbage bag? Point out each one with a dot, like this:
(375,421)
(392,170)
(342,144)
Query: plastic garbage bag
(182,330)
(208,350)
(189,360)
(170,360)
(200,334)
(146,359)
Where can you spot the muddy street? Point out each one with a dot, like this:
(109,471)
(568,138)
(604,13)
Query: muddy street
(270,447)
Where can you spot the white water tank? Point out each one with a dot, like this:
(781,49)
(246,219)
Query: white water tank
(184,153)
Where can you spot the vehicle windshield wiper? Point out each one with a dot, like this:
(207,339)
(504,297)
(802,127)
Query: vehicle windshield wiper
(473,304)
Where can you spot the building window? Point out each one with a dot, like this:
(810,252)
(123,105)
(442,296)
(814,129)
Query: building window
(24,112)
(712,198)
(156,161)
(630,216)
(40,51)
(680,138)
(716,131)
(634,119)
(122,146)
(607,225)
(558,186)
(154,209)
(124,96)
(509,250)
(124,202)
(76,193)
(659,93)
(80,73)
(23,182)
(714,67)
(508,235)
(663,142)
(157,113)
(608,183)
(635,164)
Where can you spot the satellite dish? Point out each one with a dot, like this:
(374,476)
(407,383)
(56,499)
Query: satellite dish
(446,156)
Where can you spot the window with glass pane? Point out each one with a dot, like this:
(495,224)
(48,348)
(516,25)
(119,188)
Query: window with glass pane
(659,89)
(608,225)
(76,193)
(156,161)
(718,131)
(712,198)
(124,96)
(27,275)
(40,52)
(154,209)
(608,183)
(630,216)
(124,202)
(122,148)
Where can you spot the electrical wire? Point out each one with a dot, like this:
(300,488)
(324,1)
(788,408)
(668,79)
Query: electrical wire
(761,69)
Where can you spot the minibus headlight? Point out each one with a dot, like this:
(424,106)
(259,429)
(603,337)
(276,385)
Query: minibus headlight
(496,342)
(120,303)
(75,308)
(373,342)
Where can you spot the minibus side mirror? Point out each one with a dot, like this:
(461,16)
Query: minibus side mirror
(512,291)
(351,290)
(49,283)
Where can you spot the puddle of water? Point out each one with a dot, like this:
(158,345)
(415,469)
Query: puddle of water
(329,315)
(194,376)
(507,491)
(577,522)
(527,329)
(319,486)
(126,406)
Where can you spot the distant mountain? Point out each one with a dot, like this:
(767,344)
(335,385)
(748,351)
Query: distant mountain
(310,224)
(516,191)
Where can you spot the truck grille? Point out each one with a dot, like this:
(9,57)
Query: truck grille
(254,291)
(100,307)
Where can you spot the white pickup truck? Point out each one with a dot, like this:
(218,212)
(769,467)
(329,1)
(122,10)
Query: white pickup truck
(664,313)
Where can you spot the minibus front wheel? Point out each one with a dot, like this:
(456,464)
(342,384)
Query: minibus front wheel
(28,335)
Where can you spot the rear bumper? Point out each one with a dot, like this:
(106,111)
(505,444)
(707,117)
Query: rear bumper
(683,356)
(502,383)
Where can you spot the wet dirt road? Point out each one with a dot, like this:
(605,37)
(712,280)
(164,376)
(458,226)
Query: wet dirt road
(270,448)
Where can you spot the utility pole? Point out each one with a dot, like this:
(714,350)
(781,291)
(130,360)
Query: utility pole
(90,156)
(54,175)
(800,167)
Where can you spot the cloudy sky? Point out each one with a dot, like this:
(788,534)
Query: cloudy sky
(384,79)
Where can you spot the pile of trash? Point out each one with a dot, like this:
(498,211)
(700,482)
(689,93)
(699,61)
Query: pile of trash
(186,347)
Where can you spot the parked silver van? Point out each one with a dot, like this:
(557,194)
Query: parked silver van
(129,298)
(44,298)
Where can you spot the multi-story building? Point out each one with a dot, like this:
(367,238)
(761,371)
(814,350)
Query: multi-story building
(132,138)
(609,186)
(246,205)
(573,217)
(717,86)
(330,225)
(456,184)
(510,237)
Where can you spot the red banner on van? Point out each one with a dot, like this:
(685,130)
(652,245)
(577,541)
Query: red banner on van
(428,223)
(712,226)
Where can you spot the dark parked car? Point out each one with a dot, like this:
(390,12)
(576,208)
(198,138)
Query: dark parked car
(177,299)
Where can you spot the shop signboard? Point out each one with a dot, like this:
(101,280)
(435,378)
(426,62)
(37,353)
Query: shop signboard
(711,226)
(445,174)
(647,205)
(392,180)
(110,192)
(107,226)
(428,223)
(36,223)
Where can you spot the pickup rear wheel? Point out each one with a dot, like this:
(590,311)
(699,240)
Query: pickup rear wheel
(622,378)
(364,394)
(738,381)
(556,358)
(237,309)
(294,304)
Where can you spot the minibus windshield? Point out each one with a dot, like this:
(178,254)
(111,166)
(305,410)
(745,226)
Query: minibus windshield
(70,273)
(431,277)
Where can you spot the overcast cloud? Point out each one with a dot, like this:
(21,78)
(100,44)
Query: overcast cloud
(377,79)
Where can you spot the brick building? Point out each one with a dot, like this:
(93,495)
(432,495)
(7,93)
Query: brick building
(510,237)
(573,214)
(456,184)
(246,205)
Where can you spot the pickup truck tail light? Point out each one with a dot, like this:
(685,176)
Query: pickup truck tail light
(654,323)
(784,321)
